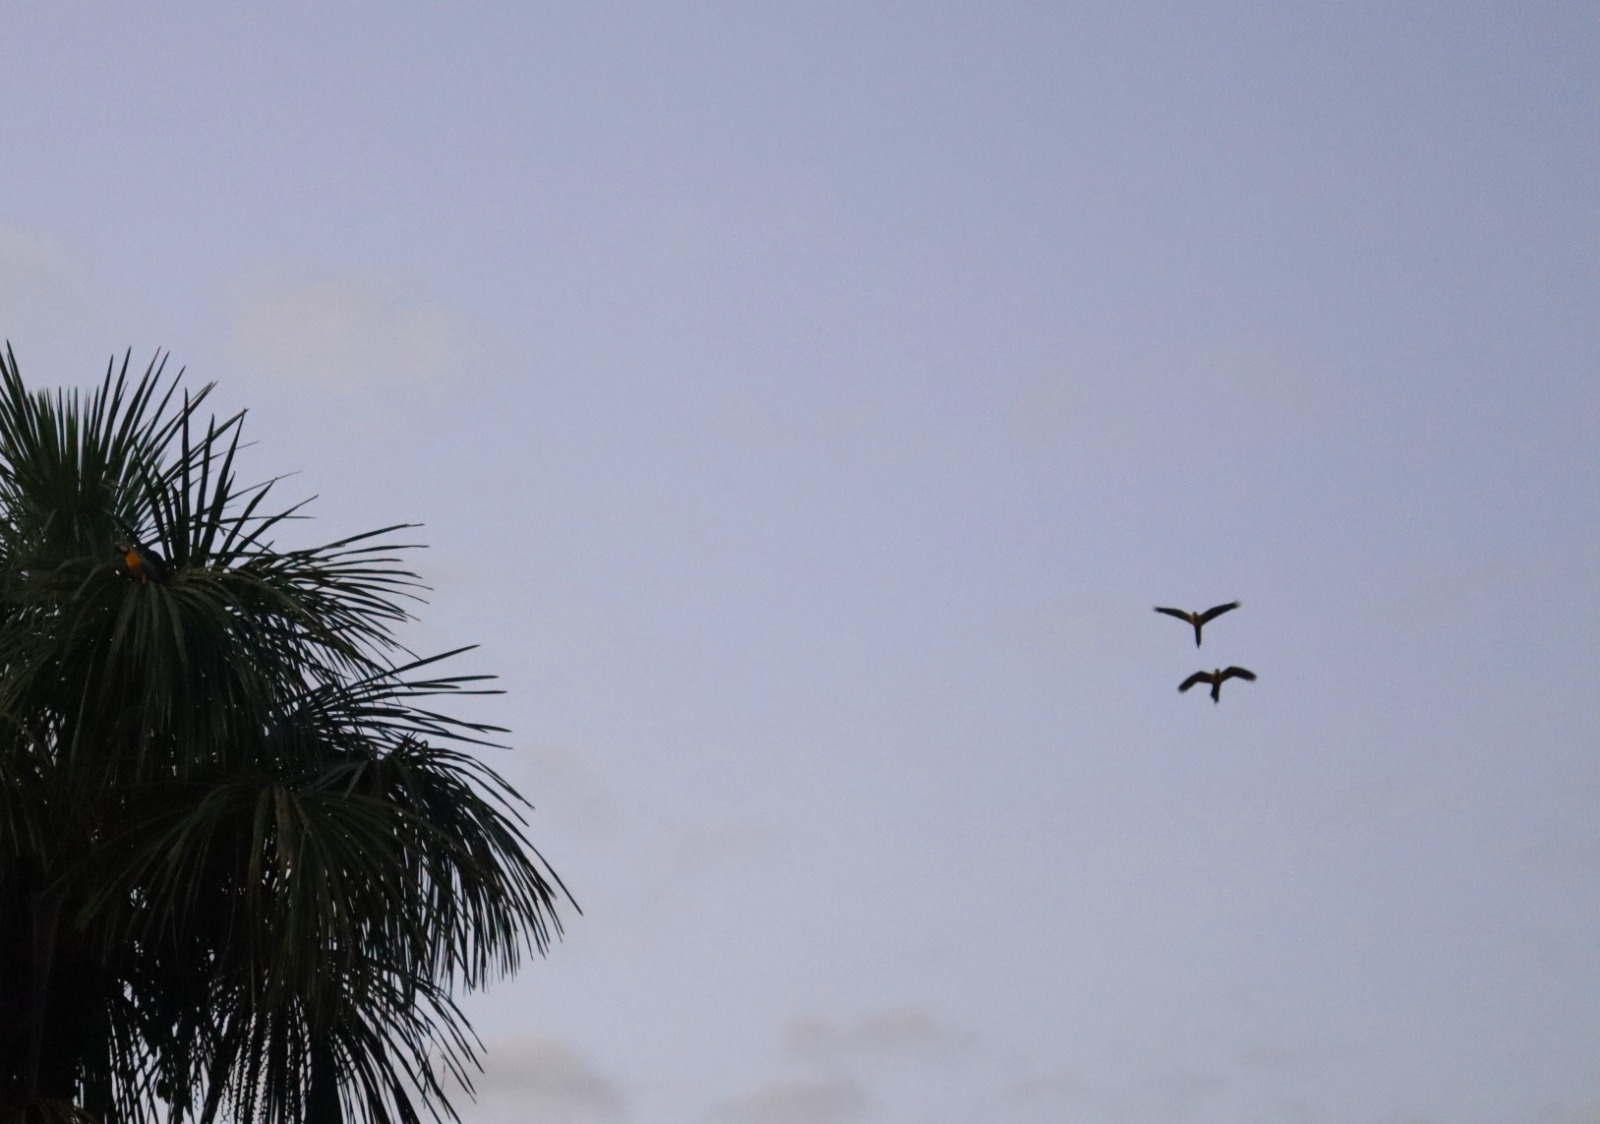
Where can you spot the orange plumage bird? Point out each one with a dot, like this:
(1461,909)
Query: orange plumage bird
(142,562)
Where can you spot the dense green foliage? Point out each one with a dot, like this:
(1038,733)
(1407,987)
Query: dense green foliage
(243,862)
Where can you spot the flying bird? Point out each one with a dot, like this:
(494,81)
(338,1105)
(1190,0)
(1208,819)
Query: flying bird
(1215,678)
(1198,619)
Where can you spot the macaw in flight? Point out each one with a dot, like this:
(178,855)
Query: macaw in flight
(1215,678)
(1198,619)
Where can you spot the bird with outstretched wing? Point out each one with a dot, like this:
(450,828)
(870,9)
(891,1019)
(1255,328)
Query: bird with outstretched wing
(1215,678)
(1199,619)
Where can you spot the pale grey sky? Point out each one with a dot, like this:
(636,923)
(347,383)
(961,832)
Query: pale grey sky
(807,404)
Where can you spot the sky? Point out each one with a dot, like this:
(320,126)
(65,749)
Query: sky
(806,405)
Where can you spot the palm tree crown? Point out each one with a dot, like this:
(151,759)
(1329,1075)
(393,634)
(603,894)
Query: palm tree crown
(244,862)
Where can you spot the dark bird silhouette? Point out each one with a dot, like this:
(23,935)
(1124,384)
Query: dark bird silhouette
(1215,678)
(141,562)
(1198,619)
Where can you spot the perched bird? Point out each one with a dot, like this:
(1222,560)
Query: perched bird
(1215,678)
(142,562)
(1198,619)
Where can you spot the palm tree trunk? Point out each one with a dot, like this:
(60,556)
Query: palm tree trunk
(46,921)
(322,1097)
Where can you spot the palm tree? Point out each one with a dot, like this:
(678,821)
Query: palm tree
(244,863)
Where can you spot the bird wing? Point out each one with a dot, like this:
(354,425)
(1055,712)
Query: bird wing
(1179,613)
(1218,611)
(1241,672)
(1197,677)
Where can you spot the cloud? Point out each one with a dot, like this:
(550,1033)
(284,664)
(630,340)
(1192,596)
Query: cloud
(1264,1077)
(1130,396)
(694,848)
(839,1061)
(37,290)
(895,1031)
(345,334)
(834,1100)
(544,1078)
(1054,1093)
(571,789)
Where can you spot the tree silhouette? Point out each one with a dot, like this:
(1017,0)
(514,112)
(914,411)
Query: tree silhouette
(244,862)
